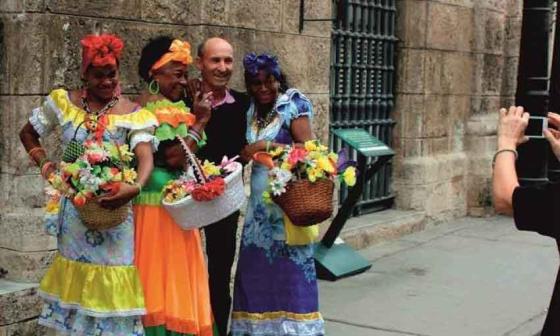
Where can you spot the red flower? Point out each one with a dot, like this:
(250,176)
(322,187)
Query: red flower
(210,190)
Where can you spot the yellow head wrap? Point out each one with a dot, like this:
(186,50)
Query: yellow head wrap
(179,51)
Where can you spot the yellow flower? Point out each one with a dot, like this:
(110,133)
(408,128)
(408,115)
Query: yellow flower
(129,175)
(325,164)
(276,151)
(286,166)
(311,145)
(52,207)
(349,176)
(333,157)
(313,173)
(210,169)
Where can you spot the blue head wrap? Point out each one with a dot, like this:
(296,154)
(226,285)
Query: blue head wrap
(254,63)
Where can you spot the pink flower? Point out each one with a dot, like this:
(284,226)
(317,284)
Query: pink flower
(296,155)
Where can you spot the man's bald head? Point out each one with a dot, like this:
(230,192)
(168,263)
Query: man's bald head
(215,62)
(212,42)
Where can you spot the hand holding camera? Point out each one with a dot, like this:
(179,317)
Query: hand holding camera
(552,134)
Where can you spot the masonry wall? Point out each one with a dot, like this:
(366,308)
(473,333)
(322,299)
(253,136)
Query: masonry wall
(457,64)
(39,51)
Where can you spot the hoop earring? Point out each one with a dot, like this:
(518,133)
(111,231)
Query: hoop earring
(153,90)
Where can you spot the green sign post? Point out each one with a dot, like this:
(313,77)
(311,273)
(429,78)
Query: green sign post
(335,261)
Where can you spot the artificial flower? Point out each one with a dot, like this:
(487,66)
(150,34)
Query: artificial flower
(349,176)
(210,169)
(325,164)
(296,155)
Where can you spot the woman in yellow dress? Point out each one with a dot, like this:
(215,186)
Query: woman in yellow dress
(92,287)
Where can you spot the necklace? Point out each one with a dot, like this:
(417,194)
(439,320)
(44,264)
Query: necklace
(93,120)
(261,122)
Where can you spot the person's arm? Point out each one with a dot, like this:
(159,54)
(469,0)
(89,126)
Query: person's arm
(511,129)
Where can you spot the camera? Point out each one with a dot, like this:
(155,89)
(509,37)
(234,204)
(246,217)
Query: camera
(536,127)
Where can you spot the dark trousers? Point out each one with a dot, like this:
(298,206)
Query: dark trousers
(220,248)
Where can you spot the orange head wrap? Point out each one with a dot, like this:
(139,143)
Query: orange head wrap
(100,50)
(179,51)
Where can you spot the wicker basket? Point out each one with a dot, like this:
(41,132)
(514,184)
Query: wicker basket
(96,217)
(307,203)
(191,214)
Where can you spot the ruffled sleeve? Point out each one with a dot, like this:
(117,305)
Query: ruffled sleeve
(141,124)
(45,117)
(293,104)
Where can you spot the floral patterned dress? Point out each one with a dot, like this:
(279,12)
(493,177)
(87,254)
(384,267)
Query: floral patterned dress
(276,286)
(92,287)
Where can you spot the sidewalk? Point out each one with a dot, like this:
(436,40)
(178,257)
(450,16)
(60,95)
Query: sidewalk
(471,277)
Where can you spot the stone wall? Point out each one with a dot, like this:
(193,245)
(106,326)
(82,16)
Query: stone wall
(39,51)
(457,65)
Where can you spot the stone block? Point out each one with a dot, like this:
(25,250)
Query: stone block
(515,8)
(488,31)
(483,105)
(482,124)
(512,36)
(450,27)
(459,3)
(479,193)
(26,328)
(214,12)
(448,72)
(320,122)
(23,63)
(412,23)
(481,144)
(184,12)
(15,113)
(264,15)
(500,6)
(492,72)
(409,112)
(410,71)
(436,119)
(21,191)
(429,170)
(19,303)
(309,74)
(480,162)
(25,266)
(22,6)
(314,9)
(509,77)
(22,230)
(129,9)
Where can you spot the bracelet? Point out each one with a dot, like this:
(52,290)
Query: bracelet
(44,169)
(35,149)
(195,138)
(503,151)
(195,132)
(42,162)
